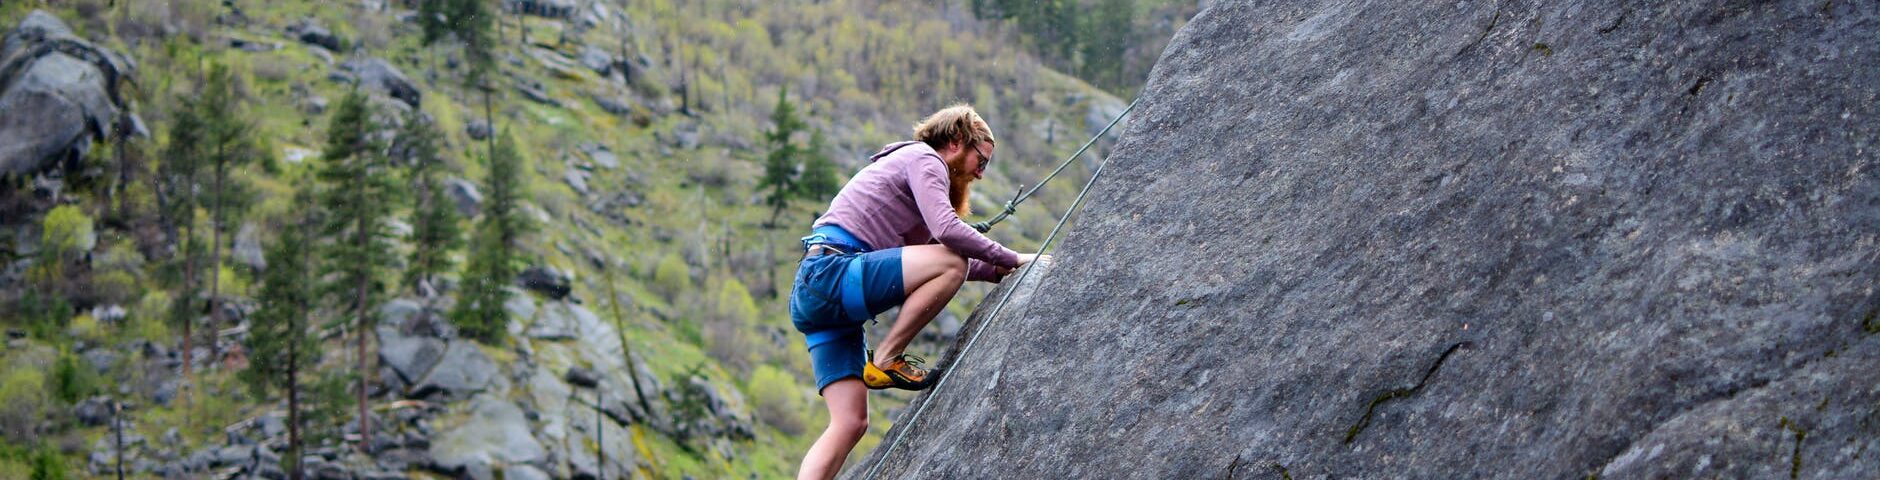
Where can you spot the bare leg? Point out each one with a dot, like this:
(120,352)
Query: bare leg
(932,274)
(848,420)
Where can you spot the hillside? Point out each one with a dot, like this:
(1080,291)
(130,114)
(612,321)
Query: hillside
(1456,240)
(640,124)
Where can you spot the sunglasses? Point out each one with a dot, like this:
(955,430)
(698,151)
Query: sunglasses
(985,159)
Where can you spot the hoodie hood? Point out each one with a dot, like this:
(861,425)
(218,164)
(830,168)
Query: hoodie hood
(890,148)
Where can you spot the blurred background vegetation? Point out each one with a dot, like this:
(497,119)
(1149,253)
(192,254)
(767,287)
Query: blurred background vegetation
(666,155)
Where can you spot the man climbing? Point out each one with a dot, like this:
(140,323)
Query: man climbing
(892,237)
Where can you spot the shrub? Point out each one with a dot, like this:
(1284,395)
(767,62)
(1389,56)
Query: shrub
(22,400)
(778,399)
(114,287)
(66,234)
(672,276)
(728,323)
(71,379)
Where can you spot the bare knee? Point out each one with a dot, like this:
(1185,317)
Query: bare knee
(851,425)
(954,267)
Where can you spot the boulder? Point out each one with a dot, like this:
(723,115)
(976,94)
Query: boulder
(493,434)
(379,75)
(547,280)
(581,377)
(542,8)
(562,320)
(411,357)
(602,156)
(93,411)
(576,180)
(59,92)
(469,200)
(596,59)
(462,370)
(477,129)
(312,32)
(613,103)
(1453,240)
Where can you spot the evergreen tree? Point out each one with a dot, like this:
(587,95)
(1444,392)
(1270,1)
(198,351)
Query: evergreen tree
(225,145)
(1106,34)
(468,20)
(479,310)
(178,197)
(280,344)
(473,23)
(780,165)
(819,180)
(435,233)
(358,192)
(434,17)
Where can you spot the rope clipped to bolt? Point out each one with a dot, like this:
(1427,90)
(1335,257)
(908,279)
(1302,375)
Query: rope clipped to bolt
(1011,207)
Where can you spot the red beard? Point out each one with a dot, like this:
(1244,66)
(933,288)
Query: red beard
(959,189)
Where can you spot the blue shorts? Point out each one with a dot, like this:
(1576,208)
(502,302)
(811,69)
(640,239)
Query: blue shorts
(829,293)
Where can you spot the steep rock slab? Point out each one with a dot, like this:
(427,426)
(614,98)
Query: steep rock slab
(1476,239)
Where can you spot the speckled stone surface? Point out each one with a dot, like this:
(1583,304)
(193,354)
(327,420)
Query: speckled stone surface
(1457,240)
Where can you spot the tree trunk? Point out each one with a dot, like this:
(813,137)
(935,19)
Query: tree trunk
(293,397)
(215,265)
(296,330)
(626,352)
(489,117)
(117,433)
(189,292)
(359,308)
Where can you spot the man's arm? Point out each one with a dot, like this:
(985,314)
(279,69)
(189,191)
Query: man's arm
(927,178)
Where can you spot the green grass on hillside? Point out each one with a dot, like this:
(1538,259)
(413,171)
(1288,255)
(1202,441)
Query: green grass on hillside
(860,70)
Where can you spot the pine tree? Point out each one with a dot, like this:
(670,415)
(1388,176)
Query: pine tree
(1107,31)
(479,310)
(435,233)
(225,145)
(358,192)
(472,21)
(468,20)
(780,165)
(434,17)
(178,197)
(279,342)
(819,180)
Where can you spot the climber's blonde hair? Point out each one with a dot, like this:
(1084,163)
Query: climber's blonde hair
(955,125)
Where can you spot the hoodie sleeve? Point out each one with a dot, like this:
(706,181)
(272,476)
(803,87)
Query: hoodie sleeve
(977,271)
(927,178)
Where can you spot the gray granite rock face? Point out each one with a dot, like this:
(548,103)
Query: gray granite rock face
(1457,240)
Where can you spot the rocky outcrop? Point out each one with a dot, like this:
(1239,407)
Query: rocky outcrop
(58,93)
(313,32)
(380,75)
(469,201)
(546,280)
(1419,240)
(542,8)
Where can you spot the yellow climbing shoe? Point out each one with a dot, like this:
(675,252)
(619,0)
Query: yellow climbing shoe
(903,372)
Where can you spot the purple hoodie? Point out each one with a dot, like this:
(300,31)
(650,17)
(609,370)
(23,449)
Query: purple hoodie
(901,199)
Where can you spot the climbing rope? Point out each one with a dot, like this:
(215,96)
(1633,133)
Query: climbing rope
(1011,207)
(914,418)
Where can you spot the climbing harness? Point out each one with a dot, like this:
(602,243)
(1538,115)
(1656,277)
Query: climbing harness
(843,243)
(914,418)
(1012,206)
